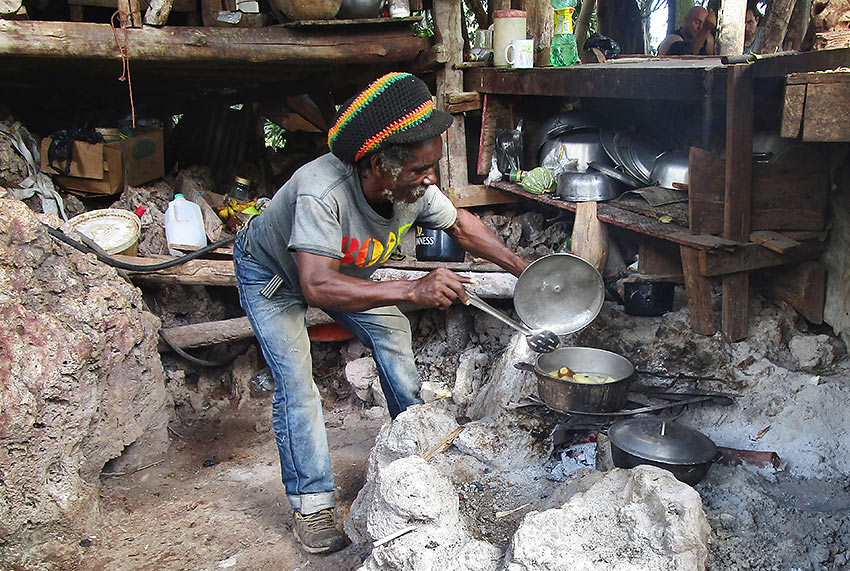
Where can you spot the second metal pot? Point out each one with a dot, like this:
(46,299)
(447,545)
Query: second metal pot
(568,396)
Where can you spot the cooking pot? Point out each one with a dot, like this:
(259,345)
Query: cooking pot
(568,396)
(437,246)
(683,451)
(648,298)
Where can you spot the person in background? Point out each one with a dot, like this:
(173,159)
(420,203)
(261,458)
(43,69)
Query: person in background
(752,31)
(337,220)
(683,37)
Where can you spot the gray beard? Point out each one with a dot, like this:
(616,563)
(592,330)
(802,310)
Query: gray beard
(412,196)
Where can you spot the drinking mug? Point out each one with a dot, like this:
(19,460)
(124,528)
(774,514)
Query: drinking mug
(520,53)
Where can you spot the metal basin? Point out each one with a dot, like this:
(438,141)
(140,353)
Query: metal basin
(670,170)
(580,145)
(587,186)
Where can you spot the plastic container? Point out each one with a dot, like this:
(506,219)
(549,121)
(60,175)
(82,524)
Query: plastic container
(184,224)
(563,51)
(116,231)
(437,246)
(508,25)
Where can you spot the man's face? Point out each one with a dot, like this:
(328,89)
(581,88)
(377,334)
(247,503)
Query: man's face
(693,21)
(750,25)
(417,174)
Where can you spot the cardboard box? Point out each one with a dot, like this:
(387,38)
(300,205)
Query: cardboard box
(100,169)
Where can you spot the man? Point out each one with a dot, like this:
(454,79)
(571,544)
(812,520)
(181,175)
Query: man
(691,27)
(752,33)
(323,234)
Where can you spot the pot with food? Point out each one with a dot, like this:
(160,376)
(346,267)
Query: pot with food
(582,379)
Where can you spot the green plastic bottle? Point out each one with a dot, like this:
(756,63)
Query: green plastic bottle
(563,51)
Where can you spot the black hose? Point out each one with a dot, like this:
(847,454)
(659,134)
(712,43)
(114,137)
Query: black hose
(105,258)
(61,236)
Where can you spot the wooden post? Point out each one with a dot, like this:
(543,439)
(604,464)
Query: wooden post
(541,25)
(698,291)
(448,18)
(776,26)
(798,24)
(583,22)
(130,13)
(731,24)
(738,193)
(590,236)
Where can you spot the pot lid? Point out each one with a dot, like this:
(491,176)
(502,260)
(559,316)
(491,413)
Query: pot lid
(559,292)
(620,176)
(661,441)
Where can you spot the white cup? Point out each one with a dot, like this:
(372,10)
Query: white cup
(520,53)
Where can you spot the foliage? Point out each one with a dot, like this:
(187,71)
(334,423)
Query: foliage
(275,135)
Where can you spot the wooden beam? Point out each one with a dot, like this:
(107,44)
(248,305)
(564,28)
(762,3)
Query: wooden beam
(777,25)
(216,46)
(754,256)
(463,101)
(130,13)
(448,19)
(802,285)
(774,241)
(698,291)
(738,193)
(479,195)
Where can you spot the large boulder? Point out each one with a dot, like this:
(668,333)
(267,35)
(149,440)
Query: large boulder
(641,518)
(81,382)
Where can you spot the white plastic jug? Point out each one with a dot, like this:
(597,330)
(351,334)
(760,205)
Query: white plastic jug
(184,224)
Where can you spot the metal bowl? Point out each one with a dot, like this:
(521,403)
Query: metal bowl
(559,292)
(590,186)
(617,174)
(670,170)
(358,9)
(582,145)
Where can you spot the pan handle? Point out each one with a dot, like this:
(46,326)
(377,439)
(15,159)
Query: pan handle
(524,366)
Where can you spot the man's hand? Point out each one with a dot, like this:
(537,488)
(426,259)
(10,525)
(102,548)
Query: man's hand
(439,289)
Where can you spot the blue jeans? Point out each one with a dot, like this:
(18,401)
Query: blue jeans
(281,329)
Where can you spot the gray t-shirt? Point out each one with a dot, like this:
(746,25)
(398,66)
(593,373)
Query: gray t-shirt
(322,210)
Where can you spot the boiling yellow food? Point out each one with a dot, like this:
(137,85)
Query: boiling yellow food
(584,378)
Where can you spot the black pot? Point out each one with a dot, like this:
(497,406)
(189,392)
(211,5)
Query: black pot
(682,451)
(648,298)
(691,474)
(437,246)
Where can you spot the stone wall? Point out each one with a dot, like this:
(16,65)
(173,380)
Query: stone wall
(81,382)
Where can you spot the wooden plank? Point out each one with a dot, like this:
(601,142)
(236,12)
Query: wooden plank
(734,311)
(792,110)
(805,78)
(705,192)
(754,256)
(678,278)
(658,257)
(462,107)
(611,214)
(130,13)
(832,39)
(823,118)
(698,291)
(774,241)
(613,80)
(221,47)
(802,285)
(448,19)
(479,195)
(783,63)
(790,193)
(739,148)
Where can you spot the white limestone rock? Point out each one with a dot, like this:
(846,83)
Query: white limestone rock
(635,519)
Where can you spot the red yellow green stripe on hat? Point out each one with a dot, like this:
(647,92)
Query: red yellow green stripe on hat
(362,101)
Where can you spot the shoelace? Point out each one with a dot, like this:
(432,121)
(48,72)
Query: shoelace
(319,521)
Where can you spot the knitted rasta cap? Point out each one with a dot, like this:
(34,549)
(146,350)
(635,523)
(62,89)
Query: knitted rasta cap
(395,108)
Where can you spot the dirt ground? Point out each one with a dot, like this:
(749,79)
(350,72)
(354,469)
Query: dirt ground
(233,514)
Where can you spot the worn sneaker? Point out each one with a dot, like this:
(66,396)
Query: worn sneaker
(317,533)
